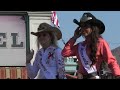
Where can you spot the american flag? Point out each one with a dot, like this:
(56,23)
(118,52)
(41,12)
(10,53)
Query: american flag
(54,19)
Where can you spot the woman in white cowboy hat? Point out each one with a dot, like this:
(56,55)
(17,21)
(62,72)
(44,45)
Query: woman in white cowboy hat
(93,50)
(48,59)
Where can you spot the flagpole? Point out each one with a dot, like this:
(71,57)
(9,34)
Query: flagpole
(61,38)
(63,41)
(55,22)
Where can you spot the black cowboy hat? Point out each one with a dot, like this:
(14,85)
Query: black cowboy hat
(45,27)
(88,18)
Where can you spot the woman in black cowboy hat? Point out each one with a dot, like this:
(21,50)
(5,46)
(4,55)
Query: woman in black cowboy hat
(48,58)
(93,51)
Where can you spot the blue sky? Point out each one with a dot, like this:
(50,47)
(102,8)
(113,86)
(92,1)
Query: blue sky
(111,20)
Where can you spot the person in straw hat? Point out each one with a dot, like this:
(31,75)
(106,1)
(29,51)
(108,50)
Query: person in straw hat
(93,50)
(48,59)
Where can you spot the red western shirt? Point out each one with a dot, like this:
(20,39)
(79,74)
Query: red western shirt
(103,53)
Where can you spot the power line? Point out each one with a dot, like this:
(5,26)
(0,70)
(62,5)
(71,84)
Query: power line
(113,43)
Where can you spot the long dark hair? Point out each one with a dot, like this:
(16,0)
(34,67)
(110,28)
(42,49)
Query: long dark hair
(93,45)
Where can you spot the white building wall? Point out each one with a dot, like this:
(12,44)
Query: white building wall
(35,18)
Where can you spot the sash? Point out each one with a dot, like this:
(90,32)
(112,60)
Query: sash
(46,71)
(86,62)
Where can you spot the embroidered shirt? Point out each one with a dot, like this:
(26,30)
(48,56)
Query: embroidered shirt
(50,63)
(103,53)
